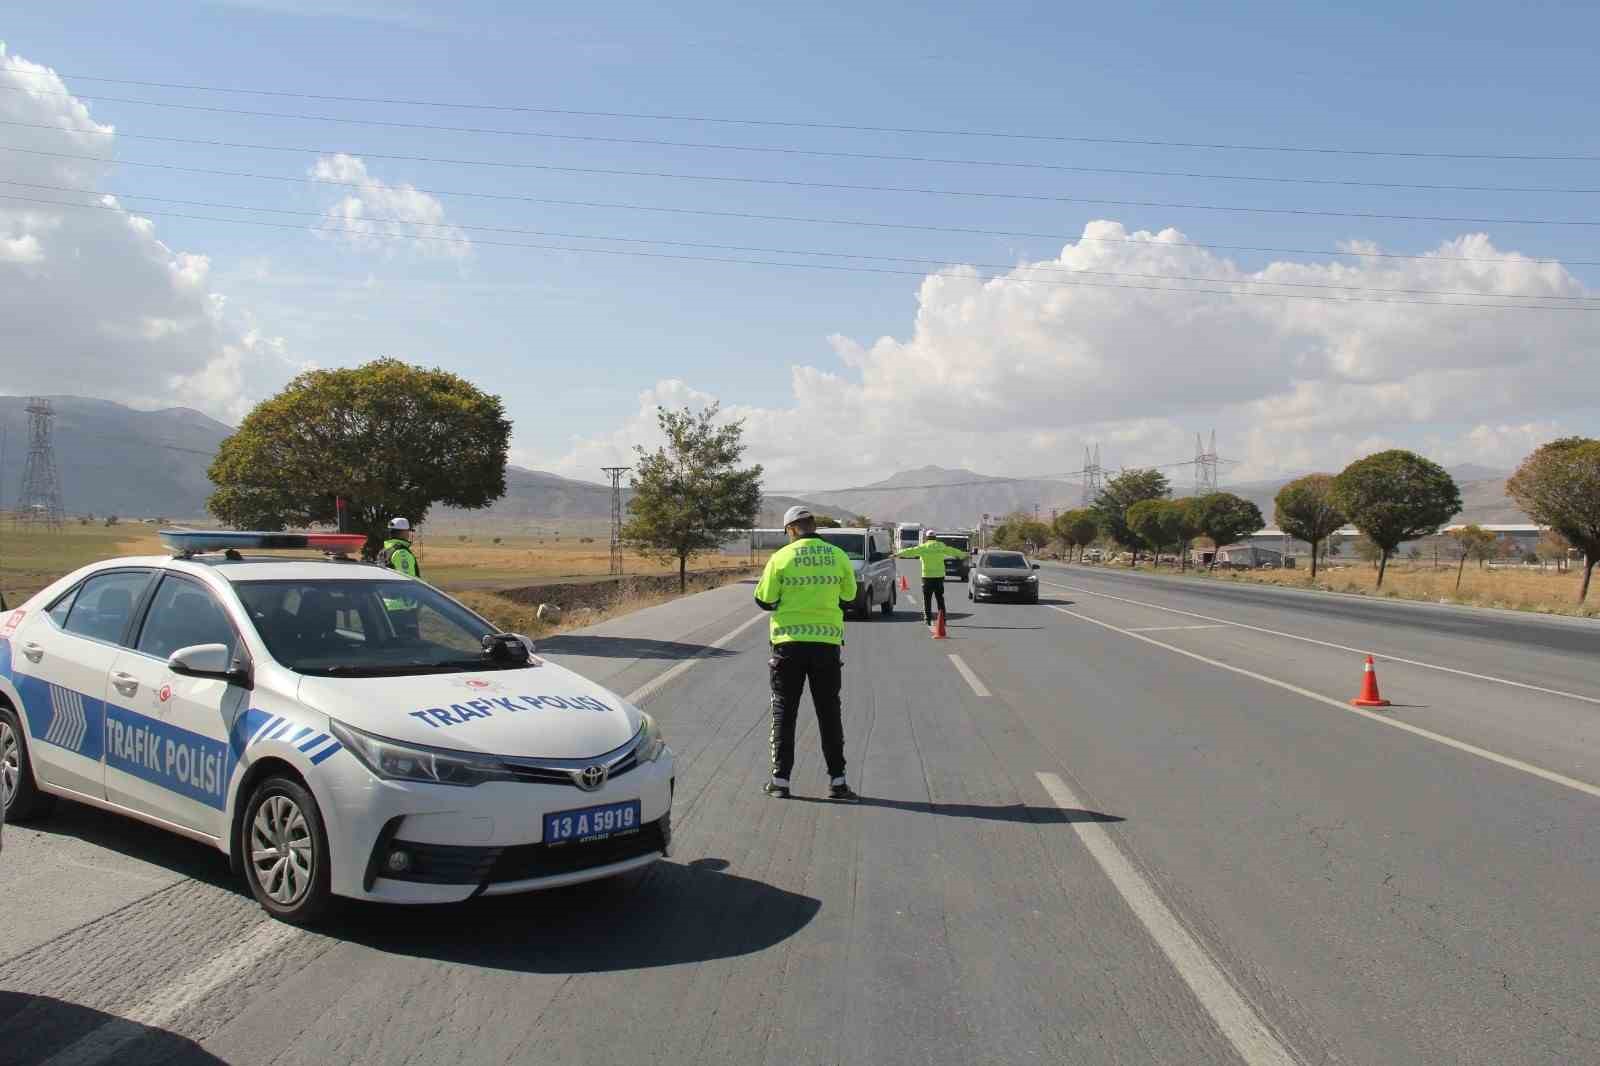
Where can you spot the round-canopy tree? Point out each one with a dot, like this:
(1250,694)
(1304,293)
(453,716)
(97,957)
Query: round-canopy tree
(1224,518)
(1395,496)
(391,438)
(1559,486)
(1305,510)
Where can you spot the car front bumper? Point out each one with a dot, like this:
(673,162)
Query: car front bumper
(488,839)
(989,592)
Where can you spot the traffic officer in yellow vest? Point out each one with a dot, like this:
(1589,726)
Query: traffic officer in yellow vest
(805,585)
(932,552)
(397,554)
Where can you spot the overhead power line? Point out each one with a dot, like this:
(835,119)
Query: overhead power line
(367,235)
(850,127)
(780,150)
(782,182)
(946,262)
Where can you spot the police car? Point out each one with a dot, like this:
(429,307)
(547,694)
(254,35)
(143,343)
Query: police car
(335,728)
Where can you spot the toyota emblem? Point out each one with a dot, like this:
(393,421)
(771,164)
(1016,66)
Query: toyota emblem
(590,778)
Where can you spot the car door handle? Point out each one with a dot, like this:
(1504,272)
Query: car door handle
(33,650)
(126,684)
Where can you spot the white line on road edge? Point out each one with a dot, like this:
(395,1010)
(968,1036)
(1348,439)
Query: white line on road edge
(1330,644)
(972,678)
(168,1003)
(1169,629)
(1256,1044)
(651,687)
(1438,738)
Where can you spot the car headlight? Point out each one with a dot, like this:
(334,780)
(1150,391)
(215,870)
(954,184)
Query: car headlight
(394,761)
(1033,577)
(980,579)
(651,744)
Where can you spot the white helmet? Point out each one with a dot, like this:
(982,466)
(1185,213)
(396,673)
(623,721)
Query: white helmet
(399,524)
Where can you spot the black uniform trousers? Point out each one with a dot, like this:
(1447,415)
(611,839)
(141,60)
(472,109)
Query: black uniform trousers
(932,589)
(791,666)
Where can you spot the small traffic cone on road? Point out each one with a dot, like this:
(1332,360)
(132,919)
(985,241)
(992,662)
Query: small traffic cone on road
(938,628)
(905,586)
(1369,689)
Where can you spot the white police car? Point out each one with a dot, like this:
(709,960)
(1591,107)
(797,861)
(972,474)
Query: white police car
(337,729)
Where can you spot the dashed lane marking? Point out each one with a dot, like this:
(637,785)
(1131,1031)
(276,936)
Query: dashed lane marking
(1256,1044)
(169,1002)
(1330,644)
(1438,738)
(656,684)
(972,678)
(1171,629)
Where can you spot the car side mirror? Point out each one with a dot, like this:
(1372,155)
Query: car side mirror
(1036,566)
(212,661)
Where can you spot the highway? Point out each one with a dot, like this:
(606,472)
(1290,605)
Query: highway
(1136,823)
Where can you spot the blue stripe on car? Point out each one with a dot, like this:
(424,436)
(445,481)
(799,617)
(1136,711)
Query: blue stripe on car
(326,753)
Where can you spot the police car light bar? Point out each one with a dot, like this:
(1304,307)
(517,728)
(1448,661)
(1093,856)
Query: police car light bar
(190,542)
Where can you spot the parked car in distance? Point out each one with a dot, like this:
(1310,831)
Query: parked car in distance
(871,552)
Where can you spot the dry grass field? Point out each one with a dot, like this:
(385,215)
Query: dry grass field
(1514,588)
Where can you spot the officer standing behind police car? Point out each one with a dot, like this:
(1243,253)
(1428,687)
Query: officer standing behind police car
(805,585)
(397,554)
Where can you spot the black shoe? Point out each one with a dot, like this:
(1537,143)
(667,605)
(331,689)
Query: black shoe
(776,791)
(843,793)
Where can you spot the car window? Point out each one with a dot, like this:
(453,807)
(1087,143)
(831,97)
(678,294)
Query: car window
(105,603)
(182,614)
(1004,561)
(58,610)
(852,544)
(363,627)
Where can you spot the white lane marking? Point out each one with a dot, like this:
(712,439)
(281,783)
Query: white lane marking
(169,1002)
(1438,738)
(1256,1044)
(1169,629)
(1330,644)
(972,678)
(654,685)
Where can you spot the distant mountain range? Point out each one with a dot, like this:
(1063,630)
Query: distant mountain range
(113,459)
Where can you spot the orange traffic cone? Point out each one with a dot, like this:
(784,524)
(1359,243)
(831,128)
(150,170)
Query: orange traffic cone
(1369,689)
(938,628)
(905,586)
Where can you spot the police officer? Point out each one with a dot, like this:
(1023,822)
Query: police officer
(805,585)
(397,554)
(932,552)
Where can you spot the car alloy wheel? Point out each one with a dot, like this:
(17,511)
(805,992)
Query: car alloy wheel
(19,793)
(10,764)
(281,850)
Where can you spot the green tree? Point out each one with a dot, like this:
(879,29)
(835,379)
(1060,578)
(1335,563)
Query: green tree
(1305,510)
(1157,523)
(1122,492)
(392,438)
(1186,517)
(1395,496)
(690,491)
(1559,487)
(1224,518)
(827,521)
(1020,531)
(1077,529)
(1471,542)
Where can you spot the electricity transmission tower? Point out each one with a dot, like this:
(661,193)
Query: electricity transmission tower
(616,473)
(1205,466)
(1093,475)
(39,502)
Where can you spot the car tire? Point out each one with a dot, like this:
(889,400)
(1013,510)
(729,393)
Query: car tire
(1034,599)
(19,792)
(866,608)
(887,607)
(283,815)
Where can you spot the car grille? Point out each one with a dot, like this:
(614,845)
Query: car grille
(454,864)
(527,861)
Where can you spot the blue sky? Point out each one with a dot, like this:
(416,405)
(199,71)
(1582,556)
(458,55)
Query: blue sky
(572,340)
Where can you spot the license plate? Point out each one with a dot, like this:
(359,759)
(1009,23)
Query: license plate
(1006,588)
(592,823)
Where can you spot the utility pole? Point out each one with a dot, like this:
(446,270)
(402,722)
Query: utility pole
(40,499)
(1205,466)
(616,473)
(1093,475)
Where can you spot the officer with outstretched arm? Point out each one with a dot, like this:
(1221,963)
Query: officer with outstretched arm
(932,552)
(805,585)
(398,554)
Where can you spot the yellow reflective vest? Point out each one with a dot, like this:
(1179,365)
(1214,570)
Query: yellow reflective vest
(805,585)
(933,553)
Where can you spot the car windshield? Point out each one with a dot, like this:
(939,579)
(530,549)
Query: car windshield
(956,542)
(852,544)
(1004,561)
(356,628)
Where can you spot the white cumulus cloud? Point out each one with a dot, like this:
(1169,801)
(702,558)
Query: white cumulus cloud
(383,217)
(1014,374)
(91,299)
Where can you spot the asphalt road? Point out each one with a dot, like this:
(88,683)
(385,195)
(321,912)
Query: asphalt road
(1135,823)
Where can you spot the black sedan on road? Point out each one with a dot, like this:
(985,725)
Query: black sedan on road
(1003,575)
